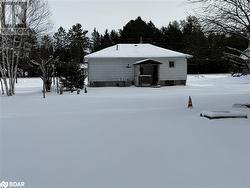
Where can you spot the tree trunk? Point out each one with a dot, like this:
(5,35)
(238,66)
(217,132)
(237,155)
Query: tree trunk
(6,86)
(4,80)
(44,88)
(4,65)
(57,85)
(2,86)
(8,71)
(12,62)
(48,85)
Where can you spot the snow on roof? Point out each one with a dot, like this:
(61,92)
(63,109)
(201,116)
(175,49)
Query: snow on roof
(135,51)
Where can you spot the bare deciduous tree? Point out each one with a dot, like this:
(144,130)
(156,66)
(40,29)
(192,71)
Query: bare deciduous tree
(38,16)
(226,16)
(46,68)
(15,22)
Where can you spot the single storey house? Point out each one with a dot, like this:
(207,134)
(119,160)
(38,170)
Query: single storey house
(136,64)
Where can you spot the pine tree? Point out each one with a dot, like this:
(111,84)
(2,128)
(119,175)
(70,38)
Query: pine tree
(105,39)
(136,30)
(195,43)
(61,45)
(172,37)
(61,39)
(114,37)
(72,76)
(71,57)
(78,43)
(95,41)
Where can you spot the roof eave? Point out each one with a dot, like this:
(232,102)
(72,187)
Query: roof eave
(113,57)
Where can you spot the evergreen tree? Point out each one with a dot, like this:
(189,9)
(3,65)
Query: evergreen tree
(136,31)
(78,43)
(105,39)
(71,76)
(61,45)
(46,49)
(95,41)
(154,34)
(71,48)
(61,39)
(172,37)
(196,44)
(114,37)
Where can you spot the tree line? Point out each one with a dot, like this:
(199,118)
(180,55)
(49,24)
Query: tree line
(185,36)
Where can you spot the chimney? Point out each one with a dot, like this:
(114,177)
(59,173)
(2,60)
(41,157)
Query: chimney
(117,47)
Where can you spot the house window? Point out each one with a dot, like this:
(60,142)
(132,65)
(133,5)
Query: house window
(171,64)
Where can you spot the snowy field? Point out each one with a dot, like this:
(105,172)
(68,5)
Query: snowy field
(127,137)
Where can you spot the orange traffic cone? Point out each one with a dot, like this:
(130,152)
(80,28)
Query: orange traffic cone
(190,103)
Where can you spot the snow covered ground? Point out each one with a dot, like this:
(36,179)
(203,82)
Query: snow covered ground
(127,137)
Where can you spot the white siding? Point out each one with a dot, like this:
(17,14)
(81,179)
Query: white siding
(179,72)
(111,69)
(115,69)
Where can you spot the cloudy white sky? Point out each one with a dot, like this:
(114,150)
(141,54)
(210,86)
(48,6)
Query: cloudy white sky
(113,14)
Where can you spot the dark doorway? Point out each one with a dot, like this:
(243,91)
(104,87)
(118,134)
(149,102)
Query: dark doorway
(141,71)
(155,75)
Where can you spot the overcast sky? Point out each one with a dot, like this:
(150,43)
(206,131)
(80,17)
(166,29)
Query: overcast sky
(114,14)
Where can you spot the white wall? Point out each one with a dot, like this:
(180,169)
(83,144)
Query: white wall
(104,69)
(179,72)
(111,69)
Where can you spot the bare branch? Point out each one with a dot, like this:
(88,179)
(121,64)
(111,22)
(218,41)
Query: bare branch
(227,16)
